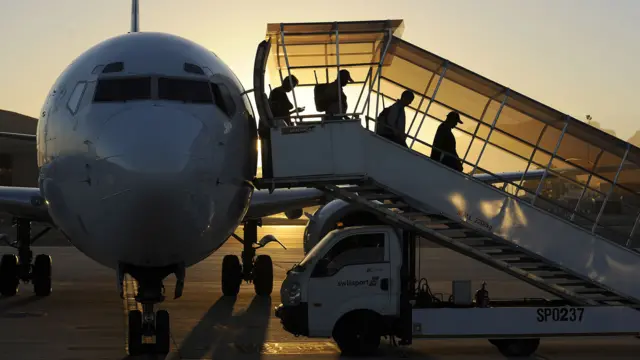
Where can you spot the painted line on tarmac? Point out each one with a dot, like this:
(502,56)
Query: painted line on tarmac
(276,348)
(129,303)
(130,290)
(299,348)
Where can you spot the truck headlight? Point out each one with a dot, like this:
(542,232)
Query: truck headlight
(294,294)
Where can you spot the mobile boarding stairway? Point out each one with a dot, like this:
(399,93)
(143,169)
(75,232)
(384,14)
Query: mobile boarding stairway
(520,232)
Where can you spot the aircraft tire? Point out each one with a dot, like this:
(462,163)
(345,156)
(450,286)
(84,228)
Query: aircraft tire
(263,278)
(9,280)
(231,275)
(135,333)
(163,332)
(42,275)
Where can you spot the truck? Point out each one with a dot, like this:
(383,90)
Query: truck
(359,284)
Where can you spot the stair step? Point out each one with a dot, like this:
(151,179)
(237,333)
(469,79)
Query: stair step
(453,225)
(362,188)
(383,196)
(591,291)
(605,298)
(479,238)
(538,268)
(576,283)
(524,261)
(414,214)
(557,276)
(473,242)
(394,206)
(533,266)
(492,246)
(502,256)
(449,232)
(523,266)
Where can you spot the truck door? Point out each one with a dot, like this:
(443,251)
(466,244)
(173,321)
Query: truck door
(354,274)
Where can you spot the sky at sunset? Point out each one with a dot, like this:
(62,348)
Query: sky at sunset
(578,56)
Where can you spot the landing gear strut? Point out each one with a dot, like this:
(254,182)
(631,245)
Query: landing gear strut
(258,269)
(149,323)
(14,269)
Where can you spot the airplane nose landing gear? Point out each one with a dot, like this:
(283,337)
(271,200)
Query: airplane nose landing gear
(147,324)
(257,269)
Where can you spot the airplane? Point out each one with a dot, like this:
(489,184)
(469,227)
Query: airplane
(147,150)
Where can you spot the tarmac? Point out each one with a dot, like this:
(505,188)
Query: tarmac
(84,318)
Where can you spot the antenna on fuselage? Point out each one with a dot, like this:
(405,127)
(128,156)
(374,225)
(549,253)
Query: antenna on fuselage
(135,16)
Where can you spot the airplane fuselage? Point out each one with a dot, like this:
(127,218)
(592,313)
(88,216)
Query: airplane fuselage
(137,164)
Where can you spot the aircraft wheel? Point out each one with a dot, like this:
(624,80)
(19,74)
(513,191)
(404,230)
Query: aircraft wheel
(163,332)
(9,275)
(135,333)
(263,275)
(231,275)
(42,275)
(516,347)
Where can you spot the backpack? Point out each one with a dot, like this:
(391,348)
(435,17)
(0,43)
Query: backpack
(320,98)
(382,126)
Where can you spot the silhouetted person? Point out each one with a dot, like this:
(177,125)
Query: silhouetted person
(392,120)
(280,108)
(330,94)
(445,142)
(279,102)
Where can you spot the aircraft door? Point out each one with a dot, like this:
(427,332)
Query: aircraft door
(354,274)
(259,69)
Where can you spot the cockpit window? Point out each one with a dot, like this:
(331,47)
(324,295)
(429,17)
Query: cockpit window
(76,96)
(123,89)
(113,67)
(223,98)
(185,90)
(193,68)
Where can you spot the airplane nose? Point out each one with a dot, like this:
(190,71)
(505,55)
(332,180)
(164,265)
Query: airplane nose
(156,176)
(153,140)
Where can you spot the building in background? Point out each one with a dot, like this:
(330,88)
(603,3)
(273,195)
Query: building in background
(18,162)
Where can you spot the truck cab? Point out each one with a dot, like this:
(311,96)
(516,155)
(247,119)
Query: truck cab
(350,279)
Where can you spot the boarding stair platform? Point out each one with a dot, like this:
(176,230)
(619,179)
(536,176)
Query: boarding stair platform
(522,223)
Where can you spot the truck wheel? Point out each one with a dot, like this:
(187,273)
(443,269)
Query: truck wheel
(357,334)
(516,347)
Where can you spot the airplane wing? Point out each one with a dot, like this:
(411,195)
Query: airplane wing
(281,200)
(27,202)
(17,136)
(24,202)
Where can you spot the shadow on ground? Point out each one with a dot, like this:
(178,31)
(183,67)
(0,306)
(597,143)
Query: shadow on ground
(220,335)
